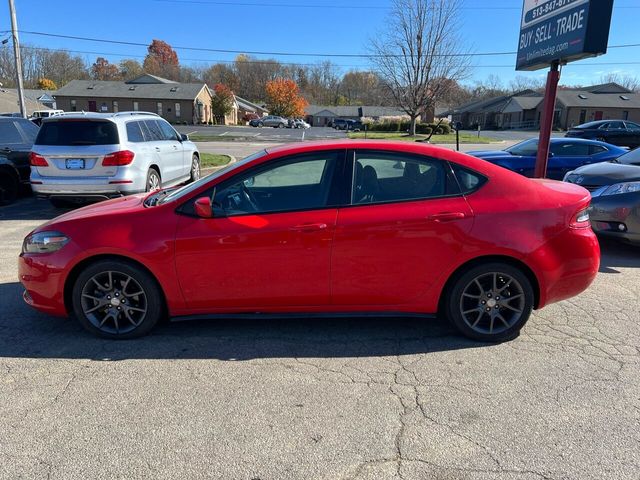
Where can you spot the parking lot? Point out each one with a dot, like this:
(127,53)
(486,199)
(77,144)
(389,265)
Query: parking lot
(267,134)
(322,399)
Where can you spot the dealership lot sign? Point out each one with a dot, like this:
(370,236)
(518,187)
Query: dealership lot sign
(562,31)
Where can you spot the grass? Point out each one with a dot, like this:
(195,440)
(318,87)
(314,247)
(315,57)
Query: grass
(211,138)
(450,138)
(208,160)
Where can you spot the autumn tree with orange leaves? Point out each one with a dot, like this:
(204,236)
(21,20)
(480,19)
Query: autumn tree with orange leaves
(162,60)
(284,99)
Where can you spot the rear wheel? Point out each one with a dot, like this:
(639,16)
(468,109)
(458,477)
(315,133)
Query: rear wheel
(490,302)
(281,125)
(195,168)
(9,187)
(153,181)
(116,299)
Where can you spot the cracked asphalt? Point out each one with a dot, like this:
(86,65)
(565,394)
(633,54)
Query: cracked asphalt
(322,399)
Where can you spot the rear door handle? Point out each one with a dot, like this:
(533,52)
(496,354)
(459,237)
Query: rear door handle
(446,216)
(309,227)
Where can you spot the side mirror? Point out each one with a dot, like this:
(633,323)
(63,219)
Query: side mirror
(184,137)
(203,208)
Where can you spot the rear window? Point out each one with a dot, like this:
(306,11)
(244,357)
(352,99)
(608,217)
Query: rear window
(77,132)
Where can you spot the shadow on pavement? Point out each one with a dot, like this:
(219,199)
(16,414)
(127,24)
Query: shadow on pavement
(616,254)
(30,208)
(25,333)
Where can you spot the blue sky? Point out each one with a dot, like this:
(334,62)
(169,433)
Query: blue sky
(302,26)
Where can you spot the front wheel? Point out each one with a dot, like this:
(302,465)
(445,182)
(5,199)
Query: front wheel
(195,168)
(490,302)
(115,299)
(281,125)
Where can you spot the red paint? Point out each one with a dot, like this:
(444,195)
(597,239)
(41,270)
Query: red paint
(385,257)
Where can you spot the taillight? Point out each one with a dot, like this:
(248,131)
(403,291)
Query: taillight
(118,159)
(581,219)
(36,160)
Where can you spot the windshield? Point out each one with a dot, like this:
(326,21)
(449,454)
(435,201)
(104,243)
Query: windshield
(77,132)
(526,148)
(630,158)
(187,189)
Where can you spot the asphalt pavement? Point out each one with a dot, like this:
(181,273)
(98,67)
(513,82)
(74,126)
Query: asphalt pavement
(264,134)
(322,399)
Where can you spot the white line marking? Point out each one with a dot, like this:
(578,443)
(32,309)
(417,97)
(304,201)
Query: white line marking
(223,134)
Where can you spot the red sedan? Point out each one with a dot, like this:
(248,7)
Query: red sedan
(346,227)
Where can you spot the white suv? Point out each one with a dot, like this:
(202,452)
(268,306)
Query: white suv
(94,156)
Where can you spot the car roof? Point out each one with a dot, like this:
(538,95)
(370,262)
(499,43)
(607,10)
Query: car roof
(98,115)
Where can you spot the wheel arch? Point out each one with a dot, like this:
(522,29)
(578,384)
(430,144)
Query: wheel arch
(154,166)
(80,266)
(514,262)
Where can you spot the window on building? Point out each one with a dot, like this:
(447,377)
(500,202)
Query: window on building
(178,110)
(73,106)
(159,108)
(135,106)
(115,106)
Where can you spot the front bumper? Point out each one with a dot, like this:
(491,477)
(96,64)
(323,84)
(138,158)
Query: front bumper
(617,216)
(43,281)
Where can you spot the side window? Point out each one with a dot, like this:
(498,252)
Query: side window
(153,128)
(297,183)
(9,133)
(632,126)
(388,177)
(168,133)
(134,134)
(595,149)
(569,149)
(469,180)
(616,126)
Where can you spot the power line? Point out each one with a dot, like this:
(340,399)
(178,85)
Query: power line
(291,54)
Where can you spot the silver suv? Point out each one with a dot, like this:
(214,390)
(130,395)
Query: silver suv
(94,156)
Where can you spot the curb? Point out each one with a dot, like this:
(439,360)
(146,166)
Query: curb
(210,170)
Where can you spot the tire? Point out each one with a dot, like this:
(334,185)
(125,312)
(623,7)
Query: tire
(9,187)
(195,168)
(106,310)
(281,125)
(507,293)
(153,180)
(260,124)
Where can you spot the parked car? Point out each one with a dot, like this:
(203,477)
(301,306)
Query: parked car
(339,124)
(94,156)
(325,228)
(249,116)
(300,123)
(354,125)
(37,116)
(564,155)
(615,195)
(270,121)
(616,132)
(16,137)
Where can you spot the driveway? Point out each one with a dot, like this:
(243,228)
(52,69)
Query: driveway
(322,399)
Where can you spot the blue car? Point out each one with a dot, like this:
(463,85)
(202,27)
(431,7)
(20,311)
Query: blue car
(565,155)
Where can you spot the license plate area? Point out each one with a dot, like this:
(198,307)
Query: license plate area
(74,163)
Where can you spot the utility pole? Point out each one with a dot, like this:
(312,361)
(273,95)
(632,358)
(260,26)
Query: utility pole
(16,54)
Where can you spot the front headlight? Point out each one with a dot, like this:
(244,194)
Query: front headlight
(44,242)
(618,188)
(568,177)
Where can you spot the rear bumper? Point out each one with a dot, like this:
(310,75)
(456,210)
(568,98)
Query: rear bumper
(566,265)
(125,182)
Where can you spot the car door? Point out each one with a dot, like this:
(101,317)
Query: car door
(173,151)
(268,244)
(406,224)
(566,156)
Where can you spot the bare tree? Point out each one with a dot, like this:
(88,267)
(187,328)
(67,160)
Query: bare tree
(419,48)
(626,81)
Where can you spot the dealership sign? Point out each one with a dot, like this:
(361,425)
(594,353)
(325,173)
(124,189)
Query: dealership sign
(562,31)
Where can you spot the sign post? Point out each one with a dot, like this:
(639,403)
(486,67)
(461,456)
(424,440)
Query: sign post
(554,33)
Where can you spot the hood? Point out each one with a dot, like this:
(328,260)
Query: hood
(484,154)
(109,207)
(605,174)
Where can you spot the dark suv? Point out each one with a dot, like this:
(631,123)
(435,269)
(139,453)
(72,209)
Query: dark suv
(16,138)
(617,132)
(340,124)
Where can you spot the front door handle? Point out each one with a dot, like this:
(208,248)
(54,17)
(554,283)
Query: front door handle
(309,227)
(446,216)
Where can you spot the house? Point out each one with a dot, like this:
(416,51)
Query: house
(245,107)
(523,110)
(9,102)
(324,115)
(175,102)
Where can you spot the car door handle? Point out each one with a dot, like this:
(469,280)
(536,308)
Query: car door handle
(309,227)
(446,216)
(157,149)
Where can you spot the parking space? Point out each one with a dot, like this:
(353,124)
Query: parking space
(265,134)
(322,399)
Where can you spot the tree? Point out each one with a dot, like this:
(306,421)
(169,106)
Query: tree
(130,69)
(46,84)
(521,83)
(220,73)
(103,70)
(284,99)
(222,101)
(626,81)
(162,60)
(417,51)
